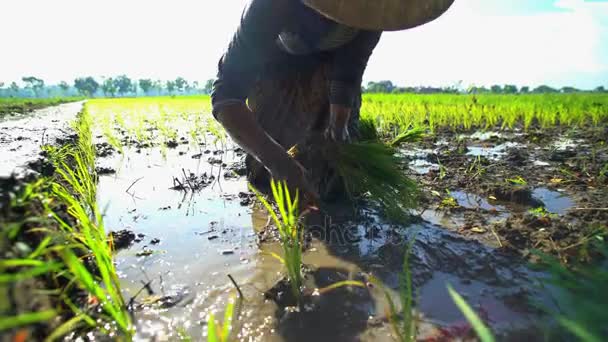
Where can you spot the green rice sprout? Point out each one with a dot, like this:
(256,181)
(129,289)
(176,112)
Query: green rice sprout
(409,136)
(579,294)
(518,180)
(220,332)
(290,231)
(26,319)
(484,334)
(406,331)
(77,188)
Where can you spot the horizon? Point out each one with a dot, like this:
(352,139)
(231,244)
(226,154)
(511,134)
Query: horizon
(479,43)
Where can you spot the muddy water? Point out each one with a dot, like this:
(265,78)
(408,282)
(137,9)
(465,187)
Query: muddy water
(187,243)
(21,136)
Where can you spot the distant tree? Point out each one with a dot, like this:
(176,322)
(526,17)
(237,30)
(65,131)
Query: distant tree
(180,84)
(123,84)
(600,89)
(86,85)
(170,86)
(64,86)
(524,90)
(1,85)
(14,88)
(145,85)
(208,86)
(544,89)
(569,90)
(478,90)
(33,83)
(109,87)
(509,89)
(380,87)
(195,86)
(158,85)
(496,89)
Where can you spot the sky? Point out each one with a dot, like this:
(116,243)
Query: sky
(477,42)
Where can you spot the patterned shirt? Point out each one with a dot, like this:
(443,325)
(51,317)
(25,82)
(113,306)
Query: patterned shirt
(270,29)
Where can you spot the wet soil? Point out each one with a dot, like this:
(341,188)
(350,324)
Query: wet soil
(20,107)
(479,242)
(21,137)
(474,229)
(499,180)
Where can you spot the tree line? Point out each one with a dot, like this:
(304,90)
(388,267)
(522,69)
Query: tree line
(389,87)
(122,86)
(115,86)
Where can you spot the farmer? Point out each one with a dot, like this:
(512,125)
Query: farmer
(294,69)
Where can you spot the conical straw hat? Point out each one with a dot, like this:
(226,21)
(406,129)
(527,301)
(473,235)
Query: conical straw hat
(385,15)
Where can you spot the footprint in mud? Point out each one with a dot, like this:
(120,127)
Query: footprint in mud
(338,315)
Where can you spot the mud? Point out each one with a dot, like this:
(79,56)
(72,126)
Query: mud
(474,229)
(480,244)
(22,136)
(481,173)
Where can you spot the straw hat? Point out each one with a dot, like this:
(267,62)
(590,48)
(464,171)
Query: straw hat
(385,15)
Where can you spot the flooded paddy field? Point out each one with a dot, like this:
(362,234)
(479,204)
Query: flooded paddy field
(189,237)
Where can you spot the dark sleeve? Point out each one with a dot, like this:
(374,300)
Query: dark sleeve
(349,63)
(251,47)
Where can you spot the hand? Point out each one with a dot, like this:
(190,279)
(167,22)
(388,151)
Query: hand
(290,170)
(239,122)
(337,128)
(337,133)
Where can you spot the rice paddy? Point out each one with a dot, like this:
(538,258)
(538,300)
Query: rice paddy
(480,184)
(20,106)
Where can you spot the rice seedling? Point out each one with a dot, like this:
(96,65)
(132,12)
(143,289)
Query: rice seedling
(158,119)
(373,168)
(290,231)
(393,114)
(25,105)
(484,334)
(25,319)
(291,236)
(217,332)
(76,188)
(404,331)
(70,242)
(542,212)
(579,294)
(409,136)
(518,180)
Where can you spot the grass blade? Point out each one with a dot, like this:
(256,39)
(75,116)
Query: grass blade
(25,319)
(484,334)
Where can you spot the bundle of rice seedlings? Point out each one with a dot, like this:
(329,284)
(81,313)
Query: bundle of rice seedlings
(372,169)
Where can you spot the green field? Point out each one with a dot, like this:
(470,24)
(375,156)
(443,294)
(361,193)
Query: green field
(64,210)
(485,111)
(20,105)
(391,113)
